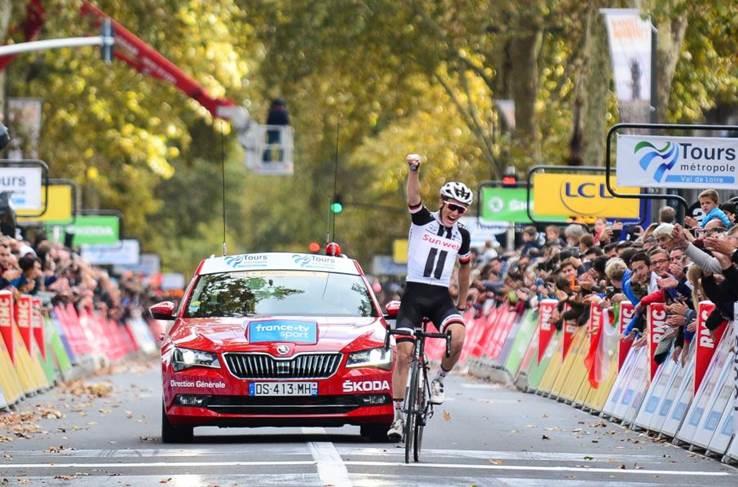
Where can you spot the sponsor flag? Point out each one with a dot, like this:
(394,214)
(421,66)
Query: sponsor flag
(595,358)
(624,316)
(705,344)
(545,327)
(569,330)
(6,322)
(657,327)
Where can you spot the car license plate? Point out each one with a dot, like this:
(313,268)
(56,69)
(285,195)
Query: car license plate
(283,389)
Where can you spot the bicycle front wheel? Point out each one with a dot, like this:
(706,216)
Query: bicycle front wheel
(411,413)
(421,403)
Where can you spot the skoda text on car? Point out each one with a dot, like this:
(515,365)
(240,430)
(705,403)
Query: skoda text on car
(275,339)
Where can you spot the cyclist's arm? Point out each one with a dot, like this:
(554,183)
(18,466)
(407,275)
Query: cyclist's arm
(413,189)
(464,267)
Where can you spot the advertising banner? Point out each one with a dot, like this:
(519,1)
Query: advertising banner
(95,230)
(25,185)
(657,327)
(705,343)
(504,205)
(568,337)
(677,162)
(629,37)
(125,253)
(23,315)
(626,314)
(59,209)
(581,195)
(6,321)
(546,329)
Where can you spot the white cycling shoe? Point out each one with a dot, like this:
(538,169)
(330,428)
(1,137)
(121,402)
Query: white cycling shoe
(396,430)
(437,394)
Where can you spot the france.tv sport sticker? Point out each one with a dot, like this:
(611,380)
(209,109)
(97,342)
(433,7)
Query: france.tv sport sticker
(283,331)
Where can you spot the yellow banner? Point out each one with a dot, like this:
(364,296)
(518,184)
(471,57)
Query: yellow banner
(59,209)
(399,251)
(581,197)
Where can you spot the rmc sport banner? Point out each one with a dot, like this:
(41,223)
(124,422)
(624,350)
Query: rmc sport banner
(677,162)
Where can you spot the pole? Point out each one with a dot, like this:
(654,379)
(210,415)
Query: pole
(55,44)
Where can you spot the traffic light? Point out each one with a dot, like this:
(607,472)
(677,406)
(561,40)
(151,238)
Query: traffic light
(336,205)
(108,36)
(509,181)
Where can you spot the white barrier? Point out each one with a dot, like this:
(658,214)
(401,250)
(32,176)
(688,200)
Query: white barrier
(724,431)
(710,383)
(715,407)
(680,381)
(655,394)
(615,407)
(637,386)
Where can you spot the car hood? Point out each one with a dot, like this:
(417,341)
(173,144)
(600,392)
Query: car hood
(229,334)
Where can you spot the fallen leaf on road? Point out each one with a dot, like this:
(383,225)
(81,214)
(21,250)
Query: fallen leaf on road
(495,462)
(65,477)
(165,481)
(446,416)
(587,457)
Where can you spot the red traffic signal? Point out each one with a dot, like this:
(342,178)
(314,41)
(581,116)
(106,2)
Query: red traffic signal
(509,181)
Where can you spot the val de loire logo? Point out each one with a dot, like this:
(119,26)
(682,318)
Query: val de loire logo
(668,154)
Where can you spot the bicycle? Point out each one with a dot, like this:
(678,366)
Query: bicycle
(418,408)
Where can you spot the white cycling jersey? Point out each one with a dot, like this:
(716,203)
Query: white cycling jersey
(433,248)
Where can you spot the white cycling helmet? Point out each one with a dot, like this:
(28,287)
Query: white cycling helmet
(457,191)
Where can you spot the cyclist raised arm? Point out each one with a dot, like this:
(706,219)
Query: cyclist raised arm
(435,242)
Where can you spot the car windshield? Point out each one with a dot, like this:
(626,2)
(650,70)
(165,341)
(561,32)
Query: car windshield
(252,293)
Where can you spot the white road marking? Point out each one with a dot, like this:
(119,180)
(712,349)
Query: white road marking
(151,464)
(331,469)
(526,468)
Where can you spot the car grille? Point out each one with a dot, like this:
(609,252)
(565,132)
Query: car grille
(283,405)
(262,366)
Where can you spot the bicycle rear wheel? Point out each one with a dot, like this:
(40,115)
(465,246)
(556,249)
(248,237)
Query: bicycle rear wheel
(421,400)
(411,416)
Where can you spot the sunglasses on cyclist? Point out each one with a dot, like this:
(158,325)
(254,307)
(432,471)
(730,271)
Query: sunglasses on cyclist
(456,208)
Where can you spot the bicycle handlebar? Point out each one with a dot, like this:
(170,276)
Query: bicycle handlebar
(418,334)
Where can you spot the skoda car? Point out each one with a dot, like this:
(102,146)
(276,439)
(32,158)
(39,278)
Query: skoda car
(275,339)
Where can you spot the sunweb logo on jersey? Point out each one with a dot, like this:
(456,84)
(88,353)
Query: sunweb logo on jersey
(668,156)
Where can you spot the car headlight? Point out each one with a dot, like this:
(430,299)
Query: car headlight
(374,357)
(183,358)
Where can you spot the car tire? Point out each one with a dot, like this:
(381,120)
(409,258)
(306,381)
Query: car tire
(174,434)
(375,432)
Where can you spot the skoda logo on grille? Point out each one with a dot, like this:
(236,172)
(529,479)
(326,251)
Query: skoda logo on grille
(283,349)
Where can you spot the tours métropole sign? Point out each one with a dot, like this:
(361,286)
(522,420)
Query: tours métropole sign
(25,185)
(677,162)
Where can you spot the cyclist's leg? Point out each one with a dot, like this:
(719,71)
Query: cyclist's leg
(449,320)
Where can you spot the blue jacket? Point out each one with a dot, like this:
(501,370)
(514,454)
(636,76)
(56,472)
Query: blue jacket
(716,213)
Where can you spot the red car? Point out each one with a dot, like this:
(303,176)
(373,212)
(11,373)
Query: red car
(275,339)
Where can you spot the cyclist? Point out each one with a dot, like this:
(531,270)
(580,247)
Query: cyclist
(435,240)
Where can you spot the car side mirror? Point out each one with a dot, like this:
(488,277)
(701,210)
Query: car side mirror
(392,309)
(163,310)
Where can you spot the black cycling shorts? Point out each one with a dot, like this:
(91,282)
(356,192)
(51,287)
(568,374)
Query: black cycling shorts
(426,301)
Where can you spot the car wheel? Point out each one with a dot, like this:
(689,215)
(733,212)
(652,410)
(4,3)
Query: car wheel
(375,432)
(174,434)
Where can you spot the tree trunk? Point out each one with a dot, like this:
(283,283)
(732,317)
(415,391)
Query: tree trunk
(596,87)
(6,9)
(524,49)
(669,44)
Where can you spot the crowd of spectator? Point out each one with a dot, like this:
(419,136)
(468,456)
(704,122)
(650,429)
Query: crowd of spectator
(58,275)
(679,265)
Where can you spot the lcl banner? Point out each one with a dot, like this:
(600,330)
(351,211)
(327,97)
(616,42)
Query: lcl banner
(677,162)
(705,344)
(627,311)
(6,321)
(581,195)
(546,329)
(657,327)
